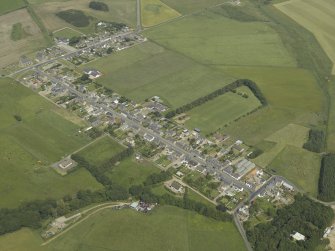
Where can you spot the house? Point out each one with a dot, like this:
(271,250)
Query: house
(25,61)
(66,163)
(298,236)
(148,137)
(238,148)
(197,130)
(176,187)
(201,169)
(92,73)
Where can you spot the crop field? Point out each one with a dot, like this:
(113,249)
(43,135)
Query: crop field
(299,166)
(101,150)
(67,33)
(166,228)
(32,136)
(222,41)
(222,111)
(123,11)
(147,70)
(316,16)
(16,41)
(7,6)
(155,12)
(293,96)
(131,172)
(293,135)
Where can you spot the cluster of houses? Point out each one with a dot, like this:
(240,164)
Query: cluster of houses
(141,206)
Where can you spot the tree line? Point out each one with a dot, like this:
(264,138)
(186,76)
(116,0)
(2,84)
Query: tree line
(232,86)
(98,172)
(305,216)
(327,177)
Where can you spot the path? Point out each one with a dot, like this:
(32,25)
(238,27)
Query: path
(138,16)
(100,207)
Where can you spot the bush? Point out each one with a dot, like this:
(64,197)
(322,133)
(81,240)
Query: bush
(75,17)
(316,141)
(100,6)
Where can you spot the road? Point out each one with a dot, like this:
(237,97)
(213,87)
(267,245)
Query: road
(70,53)
(138,15)
(130,122)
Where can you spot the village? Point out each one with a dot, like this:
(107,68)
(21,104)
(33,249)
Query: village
(217,166)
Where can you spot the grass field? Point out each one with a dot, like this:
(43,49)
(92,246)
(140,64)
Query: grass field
(217,40)
(67,33)
(299,166)
(293,96)
(7,6)
(167,228)
(101,150)
(189,6)
(147,70)
(293,135)
(222,111)
(17,40)
(155,12)
(131,172)
(123,11)
(316,16)
(28,147)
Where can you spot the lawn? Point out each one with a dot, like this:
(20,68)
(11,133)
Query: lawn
(167,228)
(7,6)
(155,12)
(101,150)
(131,172)
(299,166)
(67,33)
(147,70)
(293,96)
(218,40)
(222,111)
(316,16)
(29,146)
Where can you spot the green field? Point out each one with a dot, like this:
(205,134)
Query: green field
(18,32)
(316,16)
(189,6)
(155,12)
(130,73)
(222,111)
(299,166)
(67,33)
(130,172)
(7,6)
(123,11)
(167,228)
(217,40)
(101,150)
(293,135)
(29,146)
(293,96)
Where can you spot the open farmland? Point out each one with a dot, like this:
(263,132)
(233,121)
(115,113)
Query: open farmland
(129,230)
(101,150)
(29,146)
(318,16)
(217,40)
(293,96)
(189,6)
(14,45)
(7,6)
(123,11)
(67,33)
(222,111)
(155,12)
(299,166)
(147,70)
